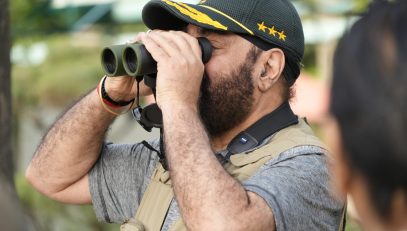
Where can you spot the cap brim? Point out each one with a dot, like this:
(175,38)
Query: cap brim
(169,15)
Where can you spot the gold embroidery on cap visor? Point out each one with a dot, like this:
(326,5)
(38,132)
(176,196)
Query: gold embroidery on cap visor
(272,31)
(282,36)
(195,14)
(230,18)
(262,27)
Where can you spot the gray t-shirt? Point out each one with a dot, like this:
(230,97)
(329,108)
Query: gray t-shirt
(295,185)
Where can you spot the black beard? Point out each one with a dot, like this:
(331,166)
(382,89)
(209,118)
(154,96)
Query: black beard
(228,102)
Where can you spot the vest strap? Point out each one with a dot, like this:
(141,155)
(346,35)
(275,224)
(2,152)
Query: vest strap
(293,136)
(153,207)
(269,124)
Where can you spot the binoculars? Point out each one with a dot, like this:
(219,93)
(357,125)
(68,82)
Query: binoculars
(134,59)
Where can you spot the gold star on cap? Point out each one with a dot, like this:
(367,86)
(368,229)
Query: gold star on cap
(282,35)
(262,27)
(272,31)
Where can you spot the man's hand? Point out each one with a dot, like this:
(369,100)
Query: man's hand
(179,65)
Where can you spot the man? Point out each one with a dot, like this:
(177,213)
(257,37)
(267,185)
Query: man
(368,103)
(257,49)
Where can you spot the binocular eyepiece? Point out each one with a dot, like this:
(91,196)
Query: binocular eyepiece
(134,59)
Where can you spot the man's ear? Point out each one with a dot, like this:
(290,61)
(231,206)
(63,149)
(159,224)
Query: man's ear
(273,66)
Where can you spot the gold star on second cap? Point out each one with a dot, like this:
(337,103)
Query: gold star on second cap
(262,27)
(272,31)
(282,35)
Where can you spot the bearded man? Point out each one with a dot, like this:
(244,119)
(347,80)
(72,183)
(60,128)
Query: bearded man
(236,157)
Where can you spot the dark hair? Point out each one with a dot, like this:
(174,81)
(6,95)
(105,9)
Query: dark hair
(369,100)
(291,72)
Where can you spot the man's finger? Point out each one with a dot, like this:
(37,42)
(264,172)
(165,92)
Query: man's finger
(188,44)
(191,42)
(137,38)
(156,51)
(166,43)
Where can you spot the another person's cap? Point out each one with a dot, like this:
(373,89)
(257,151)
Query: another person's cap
(263,22)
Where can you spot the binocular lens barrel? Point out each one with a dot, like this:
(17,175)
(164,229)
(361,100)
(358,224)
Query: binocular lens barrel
(112,60)
(131,59)
(134,59)
(138,61)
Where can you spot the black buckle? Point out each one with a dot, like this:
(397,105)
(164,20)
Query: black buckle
(148,117)
(271,123)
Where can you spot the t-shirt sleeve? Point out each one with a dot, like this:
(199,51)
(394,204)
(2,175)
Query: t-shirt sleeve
(296,187)
(119,179)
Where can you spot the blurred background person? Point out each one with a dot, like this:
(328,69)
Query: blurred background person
(369,106)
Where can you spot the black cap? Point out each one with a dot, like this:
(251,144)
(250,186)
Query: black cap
(274,22)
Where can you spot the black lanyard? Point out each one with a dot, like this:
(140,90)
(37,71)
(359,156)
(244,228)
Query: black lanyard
(253,136)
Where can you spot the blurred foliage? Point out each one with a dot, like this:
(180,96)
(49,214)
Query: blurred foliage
(37,17)
(309,61)
(33,16)
(314,6)
(71,68)
(352,225)
(360,5)
(51,215)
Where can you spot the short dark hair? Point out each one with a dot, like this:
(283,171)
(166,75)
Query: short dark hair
(291,72)
(369,100)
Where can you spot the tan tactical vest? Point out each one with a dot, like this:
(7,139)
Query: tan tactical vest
(153,208)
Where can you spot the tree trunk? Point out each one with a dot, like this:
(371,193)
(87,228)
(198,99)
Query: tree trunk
(6,157)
